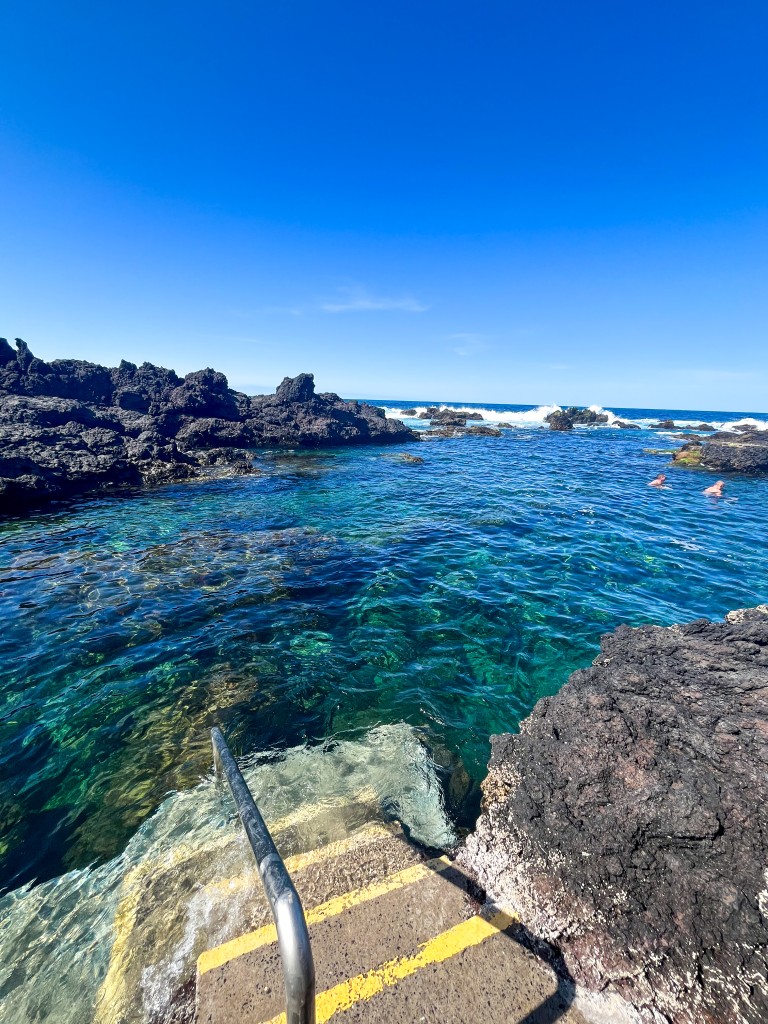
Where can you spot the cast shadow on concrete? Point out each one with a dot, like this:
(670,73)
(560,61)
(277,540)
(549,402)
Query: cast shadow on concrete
(554,1006)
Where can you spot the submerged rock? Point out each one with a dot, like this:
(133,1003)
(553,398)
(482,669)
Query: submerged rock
(483,431)
(627,823)
(70,426)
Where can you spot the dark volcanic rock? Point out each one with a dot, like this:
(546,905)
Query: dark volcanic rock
(408,412)
(483,431)
(728,452)
(582,417)
(624,425)
(450,418)
(704,427)
(664,425)
(559,421)
(447,417)
(627,823)
(70,426)
(585,417)
(739,453)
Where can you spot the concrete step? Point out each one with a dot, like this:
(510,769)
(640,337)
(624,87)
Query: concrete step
(411,946)
(201,895)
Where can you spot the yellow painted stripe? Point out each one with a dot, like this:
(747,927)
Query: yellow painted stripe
(371,833)
(213,958)
(365,986)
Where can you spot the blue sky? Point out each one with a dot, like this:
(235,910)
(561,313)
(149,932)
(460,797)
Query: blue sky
(504,202)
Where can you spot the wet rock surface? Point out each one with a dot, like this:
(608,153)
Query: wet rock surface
(627,821)
(582,417)
(728,451)
(70,426)
(560,421)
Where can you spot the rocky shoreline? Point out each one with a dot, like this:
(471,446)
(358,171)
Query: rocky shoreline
(69,427)
(745,451)
(627,823)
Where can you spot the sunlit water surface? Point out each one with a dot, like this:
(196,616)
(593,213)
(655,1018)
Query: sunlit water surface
(335,592)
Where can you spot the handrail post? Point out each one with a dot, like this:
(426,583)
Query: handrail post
(292,932)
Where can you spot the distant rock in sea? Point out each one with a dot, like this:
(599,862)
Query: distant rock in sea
(559,420)
(71,426)
(627,822)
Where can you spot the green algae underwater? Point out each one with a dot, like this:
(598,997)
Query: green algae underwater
(306,609)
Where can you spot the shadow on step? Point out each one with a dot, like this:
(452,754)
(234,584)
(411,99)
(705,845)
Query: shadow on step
(554,1006)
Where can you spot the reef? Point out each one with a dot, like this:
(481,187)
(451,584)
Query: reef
(627,823)
(70,426)
(745,451)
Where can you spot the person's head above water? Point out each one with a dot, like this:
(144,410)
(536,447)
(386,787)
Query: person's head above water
(658,481)
(716,489)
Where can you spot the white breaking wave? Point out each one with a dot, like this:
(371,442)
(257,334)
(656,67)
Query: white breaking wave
(612,417)
(538,417)
(526,418)
(748,421)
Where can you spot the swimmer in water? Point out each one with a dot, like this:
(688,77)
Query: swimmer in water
(716,490)
(659,481)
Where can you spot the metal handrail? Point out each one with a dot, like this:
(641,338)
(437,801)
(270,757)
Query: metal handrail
(292,933)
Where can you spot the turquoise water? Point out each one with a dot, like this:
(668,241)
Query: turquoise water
(336,591)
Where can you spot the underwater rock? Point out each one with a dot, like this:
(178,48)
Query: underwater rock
(627,822)
(483,432)
(415,460)
(70,426)
(560,421)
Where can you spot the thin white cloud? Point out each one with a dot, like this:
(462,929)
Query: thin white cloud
(468,344)
(360,300)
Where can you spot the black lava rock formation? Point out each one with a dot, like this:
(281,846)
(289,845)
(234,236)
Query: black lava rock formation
(725,451)
(559,420)
(69,426)
(627,822)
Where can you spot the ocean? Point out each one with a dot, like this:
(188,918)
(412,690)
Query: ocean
(356,623)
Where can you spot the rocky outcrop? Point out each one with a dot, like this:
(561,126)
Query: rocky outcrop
(744,452)
(627,822)
(71,426)
(625,425)
(581,417)
(559,421)
(449,417)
